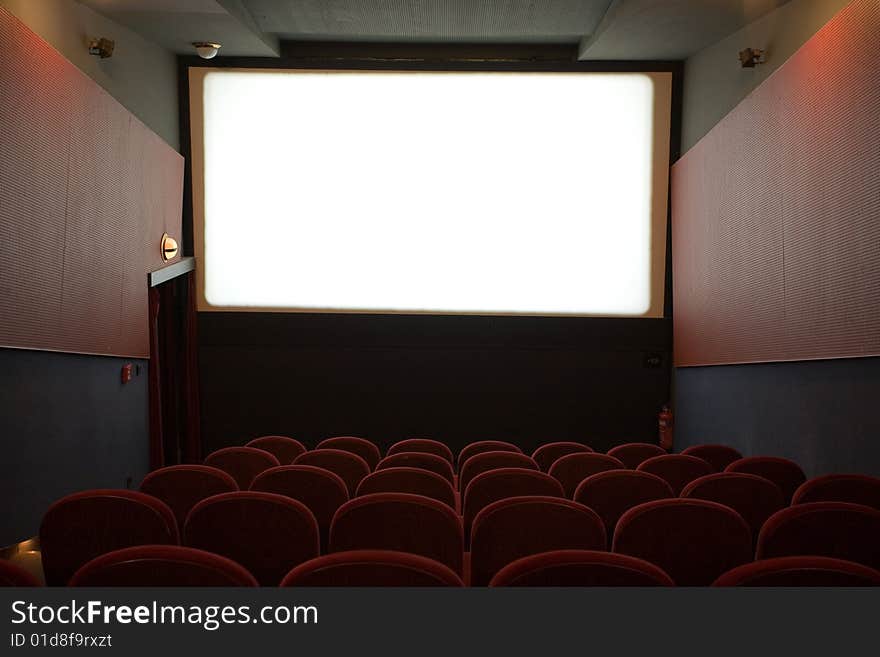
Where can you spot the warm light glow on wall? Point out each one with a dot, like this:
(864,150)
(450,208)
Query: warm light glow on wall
(465,192)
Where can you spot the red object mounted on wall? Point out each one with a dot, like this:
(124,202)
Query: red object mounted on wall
(126,373)
(665,423)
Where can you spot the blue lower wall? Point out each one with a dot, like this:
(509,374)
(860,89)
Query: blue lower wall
(66,423)
(823,414)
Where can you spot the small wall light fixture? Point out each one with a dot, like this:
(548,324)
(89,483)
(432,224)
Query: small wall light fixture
(101,47)
(169,247)
(751,57)
(206,49)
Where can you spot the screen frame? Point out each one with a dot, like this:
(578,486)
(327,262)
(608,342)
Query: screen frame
(435,58)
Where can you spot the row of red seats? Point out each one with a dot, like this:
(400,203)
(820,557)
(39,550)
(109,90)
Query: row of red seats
(609,493)
(353,458)
(692,542)
(323,492)
(164,565)
(756,487)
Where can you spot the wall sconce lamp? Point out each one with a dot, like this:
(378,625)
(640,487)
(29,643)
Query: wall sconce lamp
(751,57)
(101,47)
(169,247)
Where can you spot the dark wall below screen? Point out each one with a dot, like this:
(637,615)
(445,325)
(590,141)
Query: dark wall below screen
(457,379)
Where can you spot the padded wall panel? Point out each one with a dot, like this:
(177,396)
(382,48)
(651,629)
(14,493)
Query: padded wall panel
(776,212)
(86,191)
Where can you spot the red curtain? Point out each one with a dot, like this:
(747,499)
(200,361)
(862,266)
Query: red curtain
(191,447)
(174,388)
(157,457)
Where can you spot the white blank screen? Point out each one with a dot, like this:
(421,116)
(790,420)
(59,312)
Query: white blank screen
(455,192)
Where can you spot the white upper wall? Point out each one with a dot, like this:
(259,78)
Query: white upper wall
(140,75)
(714,82)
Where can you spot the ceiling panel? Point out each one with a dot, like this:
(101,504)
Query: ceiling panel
(157,6)
(669,29)
(545,21)
(175,24)
(605,29)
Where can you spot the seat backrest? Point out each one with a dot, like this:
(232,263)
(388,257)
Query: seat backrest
(371,568)
(266,533)
(420,460)
(283,448)
(828,529)
(614,492)
(694,541)
(485,461)
(855,488)
(322,491)
(494,485)
(181,487)
(572,469)
(516,527)
(546,454)
(481,446)
(81,526)
(409,480)
(800,571)
(14,575)
(718,456)
(751,496)
(241,463)
(677,470)
(360,446)
(580,568)
(632,454)
(162,565)
(782,472)
(424,445)
(350,467)
(401,522)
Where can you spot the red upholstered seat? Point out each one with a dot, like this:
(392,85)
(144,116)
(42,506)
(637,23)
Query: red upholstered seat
(858,489)
(241,463)
(283,448)
(424,445)
(422,460)
(829,529)
(13,575)
(800,571)
(360,446)
(402,522)
(485,461)
(677,470)
(162,565)
(350,467)
(694,541)
(782,472)
(409,480)
(546,454)
(494,485)
(82,526)
(632,454)
(266,533)
(580,568)
(322,491)
(181,487)
(572,469)
(753,497)
(371,568)
(718,456)
(481,446)
(516,527)
(614,492)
